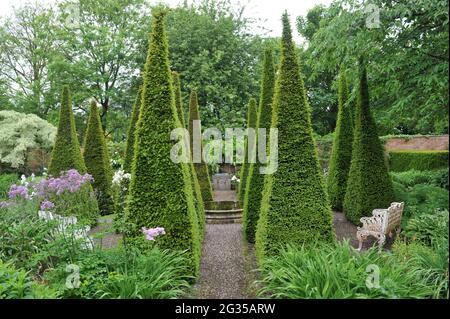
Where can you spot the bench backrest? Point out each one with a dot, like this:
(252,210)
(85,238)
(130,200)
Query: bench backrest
(393,217)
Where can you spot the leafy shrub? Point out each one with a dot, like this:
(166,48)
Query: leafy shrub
(369,185)
(327,271)
(17,284)
(428,228)
(66,153)
(161,192)
(255,180)
(294,207)
(413,177)
(20,133)
(404,160)
(6,180)
(324,146)
(97,162)
(341,154)
(120,274)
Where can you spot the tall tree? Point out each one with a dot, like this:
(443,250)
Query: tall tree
(369,185)
(255,180)
(66,153)
(294,208)
(201,169)
(161,192)
(97,162)
(341,154)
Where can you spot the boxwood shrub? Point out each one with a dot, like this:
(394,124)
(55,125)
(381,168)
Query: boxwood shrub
(405,160)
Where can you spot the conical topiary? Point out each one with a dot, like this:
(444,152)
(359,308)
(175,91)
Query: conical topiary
(161,192)
(252,117)
(255,180)
(129,148)
(97,162)
(178,99)
(341,154)
(369,185)
(66,153)
(294,207)
(200,168)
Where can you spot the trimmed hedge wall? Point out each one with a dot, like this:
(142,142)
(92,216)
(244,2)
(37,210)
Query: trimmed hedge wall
(294,207)
(369,185)
(255,180)
(161,192)
(97,162)
(405,160)
(66,152)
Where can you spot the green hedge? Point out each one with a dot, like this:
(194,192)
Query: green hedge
(294,206)
(255,180)
(405,160)
(97,162)
(161,192)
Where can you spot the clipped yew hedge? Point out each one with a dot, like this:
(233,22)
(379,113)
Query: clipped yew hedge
(161,192)
(255,180)
(66,152)
(294,208)
(129,148)
(369,185)
(341,154)
(405,160)
(97,162)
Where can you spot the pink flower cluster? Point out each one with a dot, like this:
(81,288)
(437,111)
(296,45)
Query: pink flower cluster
(151,233)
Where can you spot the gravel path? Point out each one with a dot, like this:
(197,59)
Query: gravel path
(104,234)
(226,266)
(225,196)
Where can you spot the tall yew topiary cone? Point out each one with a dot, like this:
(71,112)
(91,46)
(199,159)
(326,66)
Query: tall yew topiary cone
(66,153)
(129,148)
(178,99)
(252,118)
(369,185)
(341,154)
(97,162)
(160,190)
(294,207)
(255,180)
(200,168)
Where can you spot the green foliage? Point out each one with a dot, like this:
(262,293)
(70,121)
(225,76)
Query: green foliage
(117,273)
(6,180)
(255,180)
(324,146)
(405,160)
(409,71)
(252,118)
(412,177)
(129,149)
(97,162)
(341,154)
(294,208)
(66,152)
(340,272)
(428,229)
(20,133)
(161,192)
(369,185)
(178,98)
(17,284)
(201,169)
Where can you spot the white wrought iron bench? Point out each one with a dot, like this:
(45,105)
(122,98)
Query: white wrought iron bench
(383,222)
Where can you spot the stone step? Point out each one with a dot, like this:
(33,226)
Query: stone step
(223,216)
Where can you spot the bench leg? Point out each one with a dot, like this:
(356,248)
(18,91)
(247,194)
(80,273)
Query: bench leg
(361,238)
(381,241)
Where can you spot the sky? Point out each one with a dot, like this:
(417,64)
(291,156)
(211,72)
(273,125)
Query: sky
(268,11)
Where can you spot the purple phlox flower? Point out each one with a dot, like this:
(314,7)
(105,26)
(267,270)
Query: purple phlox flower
(70,181)
(18,191)
(151,233)
(46,205)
